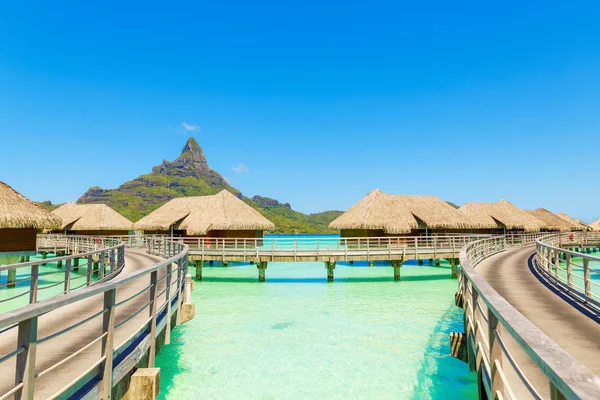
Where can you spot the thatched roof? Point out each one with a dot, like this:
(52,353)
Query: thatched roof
(595,225)
(17,211)
(552,221)
(91,217)
(581,226)
(397,214)
(502,214)
(200,214)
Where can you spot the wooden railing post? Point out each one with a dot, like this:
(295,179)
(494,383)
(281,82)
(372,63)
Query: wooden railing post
(586,277)
(569,270)
(557,264)
(179,293)
(89,270)
(25,365)
(67,287)
(153,293)
(168,297)
(495,352)
(102,265)
(33,283)
(108,328)
(113,266)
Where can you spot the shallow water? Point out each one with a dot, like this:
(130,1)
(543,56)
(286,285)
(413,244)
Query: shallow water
(50,275)
(296,336)
(578,273)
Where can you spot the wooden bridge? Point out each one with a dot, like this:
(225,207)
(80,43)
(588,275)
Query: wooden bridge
(329,250)
(531,329)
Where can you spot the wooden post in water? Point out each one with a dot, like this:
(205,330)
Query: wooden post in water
(397,264)
(437,262)
(330,265)
(199,265)
(262,266)
(76,264)
(420,261)
(12,277)
(454,263)
(44,256)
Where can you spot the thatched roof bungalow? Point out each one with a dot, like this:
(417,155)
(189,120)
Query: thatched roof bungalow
(502,216)
(581,226)
(380,214)
(596,225)
(92,219)
(220,215)
(20,219)
(552,221)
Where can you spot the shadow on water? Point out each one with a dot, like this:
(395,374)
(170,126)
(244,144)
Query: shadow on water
(169,362)
(440,375)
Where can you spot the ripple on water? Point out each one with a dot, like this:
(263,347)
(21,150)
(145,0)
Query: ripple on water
(297,337)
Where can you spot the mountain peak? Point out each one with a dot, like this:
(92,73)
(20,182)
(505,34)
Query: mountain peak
(191,162)
(191,146)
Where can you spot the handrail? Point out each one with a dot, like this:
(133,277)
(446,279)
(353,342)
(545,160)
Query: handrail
(105,257)
(557,263)
(170,286)
(565,375)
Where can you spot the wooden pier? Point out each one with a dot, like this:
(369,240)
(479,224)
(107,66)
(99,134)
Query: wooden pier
(330,251)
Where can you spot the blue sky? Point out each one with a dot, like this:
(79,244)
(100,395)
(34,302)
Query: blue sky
(312,103)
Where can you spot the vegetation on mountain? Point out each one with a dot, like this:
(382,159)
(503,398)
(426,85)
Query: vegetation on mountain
(190,175)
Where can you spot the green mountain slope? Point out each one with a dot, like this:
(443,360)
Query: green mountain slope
(190,175)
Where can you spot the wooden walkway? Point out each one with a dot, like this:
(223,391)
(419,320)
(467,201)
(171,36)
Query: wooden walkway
(509,274)
(55,350)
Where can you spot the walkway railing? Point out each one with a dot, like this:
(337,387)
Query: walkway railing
(495,329)
(105,258)
(572,270)
(117,323)
(56,243)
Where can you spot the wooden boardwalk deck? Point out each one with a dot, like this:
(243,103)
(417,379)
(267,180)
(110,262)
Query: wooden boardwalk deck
(54,350)
(509,274)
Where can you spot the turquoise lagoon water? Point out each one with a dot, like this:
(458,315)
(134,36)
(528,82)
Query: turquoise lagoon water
(49,275)
(296,336)
(578,273)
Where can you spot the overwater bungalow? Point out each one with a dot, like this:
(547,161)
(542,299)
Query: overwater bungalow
(595,225)
(222,215)
(92,219)
(382,215)
(581,226)
(20,220)
(502,217)
(553,222)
